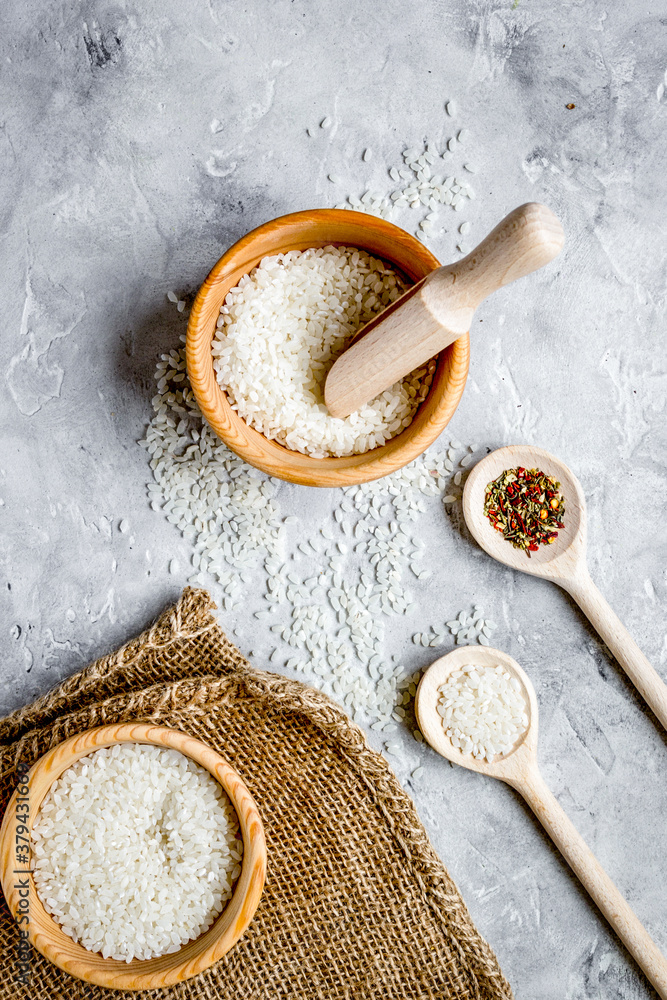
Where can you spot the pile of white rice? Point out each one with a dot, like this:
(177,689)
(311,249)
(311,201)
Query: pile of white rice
(135,851)
(483,710)
(326,595)
(280,330)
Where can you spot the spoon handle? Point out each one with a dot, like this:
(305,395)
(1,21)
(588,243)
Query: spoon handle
(526,239)
(594,878)
(647,681)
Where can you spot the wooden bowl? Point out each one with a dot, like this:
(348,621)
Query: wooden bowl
(43,931)
(299,231)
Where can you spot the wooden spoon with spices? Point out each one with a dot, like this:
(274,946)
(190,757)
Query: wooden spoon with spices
(563,561)
(519,769)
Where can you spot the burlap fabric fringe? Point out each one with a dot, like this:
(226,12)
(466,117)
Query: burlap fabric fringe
(356,903)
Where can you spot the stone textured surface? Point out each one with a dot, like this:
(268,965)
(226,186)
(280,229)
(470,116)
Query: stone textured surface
(137,142)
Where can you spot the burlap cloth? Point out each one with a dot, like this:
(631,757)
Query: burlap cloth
(356,902)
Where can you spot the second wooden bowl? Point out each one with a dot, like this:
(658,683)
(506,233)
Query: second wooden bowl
(299,231)
(43,931)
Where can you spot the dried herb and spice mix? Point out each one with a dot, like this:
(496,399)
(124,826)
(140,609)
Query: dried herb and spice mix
(526,506)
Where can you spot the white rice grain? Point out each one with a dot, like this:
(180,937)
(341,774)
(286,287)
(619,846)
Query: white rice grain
(483,710)
(282,328)
(135,849)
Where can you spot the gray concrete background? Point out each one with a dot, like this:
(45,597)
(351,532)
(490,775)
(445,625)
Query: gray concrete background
(114,189)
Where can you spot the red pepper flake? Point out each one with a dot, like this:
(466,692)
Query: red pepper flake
(525,505)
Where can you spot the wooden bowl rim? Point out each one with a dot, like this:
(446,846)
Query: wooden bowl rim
(196,955)
(276,460)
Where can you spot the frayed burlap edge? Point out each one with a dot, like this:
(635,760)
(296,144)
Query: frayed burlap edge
(122,670)
(91,697)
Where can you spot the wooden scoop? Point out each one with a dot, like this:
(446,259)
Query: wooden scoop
(563,562)
(439,309)
(520,770)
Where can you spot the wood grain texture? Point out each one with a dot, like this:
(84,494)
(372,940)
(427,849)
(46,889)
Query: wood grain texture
(563,562)
(429,318)
(520,770)
(46,935)
(299,231)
